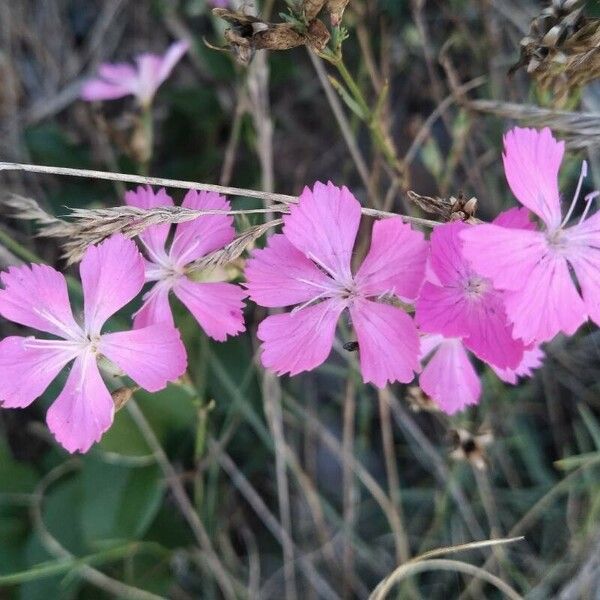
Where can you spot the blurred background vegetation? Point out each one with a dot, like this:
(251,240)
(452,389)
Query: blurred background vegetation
(316,486)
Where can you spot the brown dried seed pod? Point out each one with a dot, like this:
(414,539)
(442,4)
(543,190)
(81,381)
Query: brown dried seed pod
(317,36)
(311,8)
(280,36)
(336,10)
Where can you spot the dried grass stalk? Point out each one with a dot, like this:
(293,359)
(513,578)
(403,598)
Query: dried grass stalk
(91,226)
(581,130)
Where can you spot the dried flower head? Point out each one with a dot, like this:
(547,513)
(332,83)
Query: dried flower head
(248,34)
(455,208)
(562,49)
(470,447)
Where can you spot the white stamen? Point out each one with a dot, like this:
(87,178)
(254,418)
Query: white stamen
(325,268)
(589,198)
(582,176)
(309,302)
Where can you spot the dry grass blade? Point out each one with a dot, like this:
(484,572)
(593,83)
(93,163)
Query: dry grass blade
(580,129)
(440,564)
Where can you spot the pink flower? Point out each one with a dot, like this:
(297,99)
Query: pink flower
(122,79)
(457,302)
(112,274)
(309,266)
(533,267)
(217,306)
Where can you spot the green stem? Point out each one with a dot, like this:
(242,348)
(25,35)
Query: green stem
(17,249)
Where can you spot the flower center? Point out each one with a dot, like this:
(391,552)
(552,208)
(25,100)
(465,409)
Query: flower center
(476,287)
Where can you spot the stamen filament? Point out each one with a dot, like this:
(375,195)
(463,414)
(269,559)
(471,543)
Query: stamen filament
(582,176)
(589,198)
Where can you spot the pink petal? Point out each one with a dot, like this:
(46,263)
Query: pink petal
(194,239)
(156,308)
(216,306)
(442,310)
(173,55)
(548,303)
(112,274)
(280,275)
(396,260)
(446,255)
(584,255)
(541,298)
(299,341)
(506,256)
(118,73)
(155,236)
(532,359)
(428,343)
(37,297)
(323,226)
(148,66)
(84,409)
(450,379)
(151,356)
(532,160)
(97,89)
(490,335)
(515,218)
(388,344)
(28,368)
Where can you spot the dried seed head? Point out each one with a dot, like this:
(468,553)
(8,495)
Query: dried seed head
(248,34)
(470,447)
(455,208)
(562,50)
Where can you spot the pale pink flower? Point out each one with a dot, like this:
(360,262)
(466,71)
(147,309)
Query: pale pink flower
(309,266)
(142,81)
(457,302)
(217,306)
(534,267)
(112,274)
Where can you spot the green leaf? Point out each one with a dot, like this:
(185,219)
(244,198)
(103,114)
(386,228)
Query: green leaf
(118,503)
